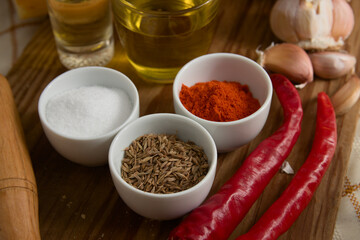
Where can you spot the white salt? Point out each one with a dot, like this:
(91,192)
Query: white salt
(88,111)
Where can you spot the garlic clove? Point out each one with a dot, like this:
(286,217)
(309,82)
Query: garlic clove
(289,60)
(344,21)
(346,96)
(330,65)
(282,20)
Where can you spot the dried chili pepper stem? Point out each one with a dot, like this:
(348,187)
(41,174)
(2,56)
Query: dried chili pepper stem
(283,213)
(222,212)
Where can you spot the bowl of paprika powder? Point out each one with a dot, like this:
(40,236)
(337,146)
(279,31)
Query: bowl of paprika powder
(228,94)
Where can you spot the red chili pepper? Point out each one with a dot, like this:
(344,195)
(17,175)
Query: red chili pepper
(283,212)
(217,217)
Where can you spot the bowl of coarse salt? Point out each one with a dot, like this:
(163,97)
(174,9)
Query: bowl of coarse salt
(229,94)
(83,109)
(163,165)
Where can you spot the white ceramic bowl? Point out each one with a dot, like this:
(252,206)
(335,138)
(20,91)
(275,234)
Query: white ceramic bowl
(88,151)
(227,67)
(162,206)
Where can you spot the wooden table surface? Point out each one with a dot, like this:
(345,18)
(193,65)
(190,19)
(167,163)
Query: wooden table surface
(77,202)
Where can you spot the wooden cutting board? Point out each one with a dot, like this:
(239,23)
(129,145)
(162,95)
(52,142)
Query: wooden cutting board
(78,202)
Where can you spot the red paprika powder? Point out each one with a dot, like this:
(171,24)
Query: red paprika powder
(219,101)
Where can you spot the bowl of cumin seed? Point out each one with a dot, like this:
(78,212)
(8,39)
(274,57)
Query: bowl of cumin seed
(163,165)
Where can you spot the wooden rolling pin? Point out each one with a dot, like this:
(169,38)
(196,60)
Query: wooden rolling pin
(19,216)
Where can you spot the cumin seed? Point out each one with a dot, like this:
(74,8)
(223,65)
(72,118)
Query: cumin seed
(161,163)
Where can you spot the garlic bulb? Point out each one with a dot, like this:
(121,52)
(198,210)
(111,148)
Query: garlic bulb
(311,23)
(347,95)
(330,65)
(288,59)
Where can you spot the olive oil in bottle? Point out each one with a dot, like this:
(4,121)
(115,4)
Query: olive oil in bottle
(160,36)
